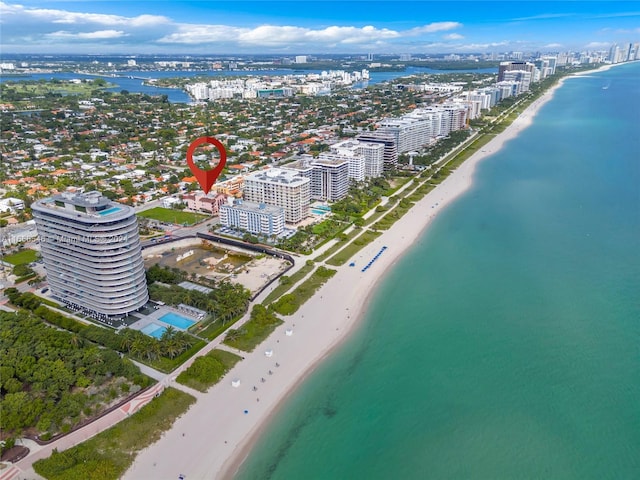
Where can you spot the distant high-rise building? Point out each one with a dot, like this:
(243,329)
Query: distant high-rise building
(521,77)
(301,59)
(282,188)
(509,66)
(615,54)
(630,53)
(91,252)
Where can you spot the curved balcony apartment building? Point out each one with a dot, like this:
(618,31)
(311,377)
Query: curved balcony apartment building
(91,252)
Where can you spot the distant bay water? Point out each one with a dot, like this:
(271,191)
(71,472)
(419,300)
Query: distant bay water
(132,81)
(506,343)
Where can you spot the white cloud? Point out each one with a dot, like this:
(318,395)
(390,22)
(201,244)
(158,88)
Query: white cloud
(23,26)
(434,27)
(275,35)
(481,47)
(633,31)
(597,45)
(20,13)
(98,35)
(196,34)
(544,16)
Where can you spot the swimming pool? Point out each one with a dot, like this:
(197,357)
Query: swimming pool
(154,330)
(109,211)
(319,212)
(176,320)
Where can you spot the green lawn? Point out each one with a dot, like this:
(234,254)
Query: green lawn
(110,453)
(169,215)
(23,256)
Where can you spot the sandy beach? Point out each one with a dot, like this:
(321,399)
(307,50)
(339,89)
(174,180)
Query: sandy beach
(213,438)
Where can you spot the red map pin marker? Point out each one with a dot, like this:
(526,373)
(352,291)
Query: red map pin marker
(206,178)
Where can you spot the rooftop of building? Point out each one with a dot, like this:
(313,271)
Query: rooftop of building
(88,206)
(254,207)
(306,162)
(278,175)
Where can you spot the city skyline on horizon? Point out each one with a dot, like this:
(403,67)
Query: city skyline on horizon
(313,27)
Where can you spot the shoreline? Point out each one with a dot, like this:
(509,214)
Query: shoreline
(193,445)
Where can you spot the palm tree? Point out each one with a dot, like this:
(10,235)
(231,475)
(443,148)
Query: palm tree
(232,335)
(76,340)
(127,340)
(169,333)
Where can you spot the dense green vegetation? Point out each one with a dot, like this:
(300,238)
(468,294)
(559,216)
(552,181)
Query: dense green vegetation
(361,199)
(156,273)
(165,353)
(255,331)
(19,92)
(52,380)
(290,303)
(175,217)
(310,237)
(208,369)
(110,453)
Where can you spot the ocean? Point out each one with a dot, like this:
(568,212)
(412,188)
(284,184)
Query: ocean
(506,343)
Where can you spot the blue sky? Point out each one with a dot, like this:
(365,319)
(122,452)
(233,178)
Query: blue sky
(308,27)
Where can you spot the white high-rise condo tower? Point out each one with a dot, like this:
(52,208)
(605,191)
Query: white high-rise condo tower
(91,251)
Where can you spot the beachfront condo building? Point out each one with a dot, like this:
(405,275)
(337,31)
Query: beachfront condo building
(522,78)
(388,142)
(281,188)
(328,175)
(256,218)
(410,133)
(91,252)
(372,153)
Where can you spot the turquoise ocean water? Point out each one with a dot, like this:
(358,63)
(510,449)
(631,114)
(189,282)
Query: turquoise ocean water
(506,343)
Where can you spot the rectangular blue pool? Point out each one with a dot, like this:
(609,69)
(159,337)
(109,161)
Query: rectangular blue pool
(154,330)
(176,320)
(109,211)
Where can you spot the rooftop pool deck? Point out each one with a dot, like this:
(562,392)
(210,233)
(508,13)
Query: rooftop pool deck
(109,211)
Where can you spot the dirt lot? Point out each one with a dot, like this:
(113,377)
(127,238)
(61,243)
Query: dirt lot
(210,261)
